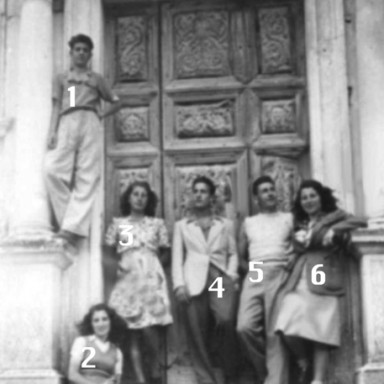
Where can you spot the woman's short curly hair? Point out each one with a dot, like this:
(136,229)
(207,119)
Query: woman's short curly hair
(118,326)
(327,199)
(150,208)
(80,38)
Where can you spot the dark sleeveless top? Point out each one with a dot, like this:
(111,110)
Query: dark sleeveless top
(104,362)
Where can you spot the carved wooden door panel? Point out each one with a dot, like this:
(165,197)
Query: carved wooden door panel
(233,99)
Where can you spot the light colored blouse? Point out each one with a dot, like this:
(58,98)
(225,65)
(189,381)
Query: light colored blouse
(82,342)
(150,233)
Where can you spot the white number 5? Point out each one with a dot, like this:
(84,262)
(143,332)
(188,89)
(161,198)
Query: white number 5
(126,230)
(253,268)
(84,364)
(317,277)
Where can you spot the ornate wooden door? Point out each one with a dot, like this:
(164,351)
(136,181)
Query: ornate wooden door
(214,88)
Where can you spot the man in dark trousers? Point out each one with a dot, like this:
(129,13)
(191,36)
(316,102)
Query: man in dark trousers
(204,274)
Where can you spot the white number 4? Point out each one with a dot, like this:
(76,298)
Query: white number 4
(219,289)
(84,364)
(317,277)
(126,230)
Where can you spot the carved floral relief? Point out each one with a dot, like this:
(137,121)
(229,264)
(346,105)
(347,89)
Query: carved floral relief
(132,124)
(275,40)
(201,44)
(286,174)
(131,48)
(205,120)
(221,175)
(278,116)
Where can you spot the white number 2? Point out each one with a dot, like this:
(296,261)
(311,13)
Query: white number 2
(315,274)
(126,230)
(219,289)
(72,96)
(84,364)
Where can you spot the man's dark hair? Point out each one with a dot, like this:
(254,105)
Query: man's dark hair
(207,181)
(80,38)
(261,180)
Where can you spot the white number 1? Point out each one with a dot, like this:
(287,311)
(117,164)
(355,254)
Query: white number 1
(72,96)
(84,364)
(219,288)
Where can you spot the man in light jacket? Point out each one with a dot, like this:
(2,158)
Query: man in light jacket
(204,274)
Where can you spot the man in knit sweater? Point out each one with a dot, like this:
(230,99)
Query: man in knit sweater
(265,250)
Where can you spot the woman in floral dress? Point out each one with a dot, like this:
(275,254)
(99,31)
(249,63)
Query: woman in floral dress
(140,294)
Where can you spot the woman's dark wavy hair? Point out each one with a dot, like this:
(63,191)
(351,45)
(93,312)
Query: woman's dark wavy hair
(328,201)
(149,210)
(118,326)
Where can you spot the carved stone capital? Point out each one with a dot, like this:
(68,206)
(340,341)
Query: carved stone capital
(6,123)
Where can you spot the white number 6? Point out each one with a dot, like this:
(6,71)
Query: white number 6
(84,364)
(315,274)
(126,230)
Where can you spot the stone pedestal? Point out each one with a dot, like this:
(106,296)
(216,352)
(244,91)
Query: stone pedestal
(33,312)
(371,245)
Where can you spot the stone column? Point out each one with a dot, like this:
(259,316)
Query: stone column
(370,80)
(30,217)
(331,150)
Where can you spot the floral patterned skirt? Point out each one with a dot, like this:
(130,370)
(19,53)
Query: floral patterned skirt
(140,294)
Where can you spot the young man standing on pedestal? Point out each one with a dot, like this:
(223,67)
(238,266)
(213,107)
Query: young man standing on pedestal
(72,168)
(267,239)
(204,258)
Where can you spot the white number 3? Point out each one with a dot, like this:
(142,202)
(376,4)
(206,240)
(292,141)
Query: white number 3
(126,230)
(92,354)
(219,289)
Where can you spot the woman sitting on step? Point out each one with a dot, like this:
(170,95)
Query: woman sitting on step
(95,358)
